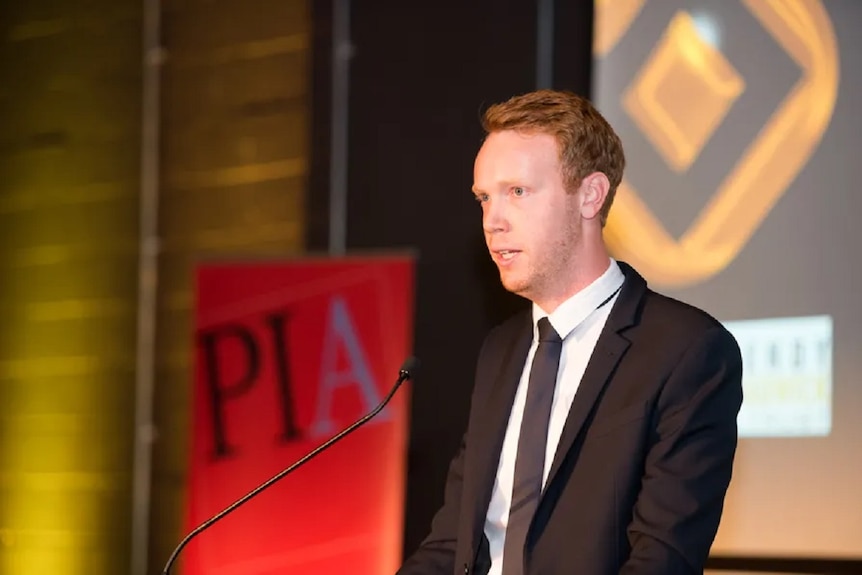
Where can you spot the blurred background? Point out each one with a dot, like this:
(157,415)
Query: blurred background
(143,138)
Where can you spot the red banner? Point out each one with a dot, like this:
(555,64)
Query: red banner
(288,355)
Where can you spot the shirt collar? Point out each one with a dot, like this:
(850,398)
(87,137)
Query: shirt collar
(572,312)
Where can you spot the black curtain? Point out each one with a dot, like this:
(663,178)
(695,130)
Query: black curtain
(420,76)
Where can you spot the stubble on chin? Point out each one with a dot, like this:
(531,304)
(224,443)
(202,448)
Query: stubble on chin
(517,285)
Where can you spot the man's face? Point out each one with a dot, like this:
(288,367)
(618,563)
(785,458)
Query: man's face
(531,223)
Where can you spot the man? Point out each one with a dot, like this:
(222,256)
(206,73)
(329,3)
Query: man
(602,428)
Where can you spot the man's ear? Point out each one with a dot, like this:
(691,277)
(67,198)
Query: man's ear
(594,191)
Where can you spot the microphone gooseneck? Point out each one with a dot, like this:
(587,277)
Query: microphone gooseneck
(407,371)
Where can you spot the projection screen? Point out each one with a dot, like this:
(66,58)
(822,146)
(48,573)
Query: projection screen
(740,124)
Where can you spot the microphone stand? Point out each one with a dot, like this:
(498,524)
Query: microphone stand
(405,373)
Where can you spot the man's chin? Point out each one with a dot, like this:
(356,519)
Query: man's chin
(515,285)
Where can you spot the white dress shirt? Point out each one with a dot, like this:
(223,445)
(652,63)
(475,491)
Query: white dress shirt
(579,321)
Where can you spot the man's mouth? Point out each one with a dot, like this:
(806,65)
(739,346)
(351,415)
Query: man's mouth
(504,256)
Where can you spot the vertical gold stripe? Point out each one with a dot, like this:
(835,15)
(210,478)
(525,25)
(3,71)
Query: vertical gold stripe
(68,207)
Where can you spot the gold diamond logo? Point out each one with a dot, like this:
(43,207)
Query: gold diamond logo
(679,98)
(682,69)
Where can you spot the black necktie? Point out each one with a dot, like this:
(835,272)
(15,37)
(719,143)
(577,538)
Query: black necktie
(532,442)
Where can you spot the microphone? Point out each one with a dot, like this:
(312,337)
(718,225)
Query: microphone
(407,371)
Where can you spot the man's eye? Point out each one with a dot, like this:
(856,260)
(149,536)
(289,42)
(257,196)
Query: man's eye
(518,191)
(481,198)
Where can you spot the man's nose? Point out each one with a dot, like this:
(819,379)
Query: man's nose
(494,217)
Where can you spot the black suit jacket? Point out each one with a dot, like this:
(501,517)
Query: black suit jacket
(638,482)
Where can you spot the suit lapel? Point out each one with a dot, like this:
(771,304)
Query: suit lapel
(488,437)
(610,349)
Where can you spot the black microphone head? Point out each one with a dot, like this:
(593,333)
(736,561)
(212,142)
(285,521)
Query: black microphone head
(409,367)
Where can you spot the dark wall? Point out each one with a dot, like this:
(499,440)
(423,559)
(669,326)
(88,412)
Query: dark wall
(420,77)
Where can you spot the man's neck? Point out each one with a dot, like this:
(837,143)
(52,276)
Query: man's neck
(591,265)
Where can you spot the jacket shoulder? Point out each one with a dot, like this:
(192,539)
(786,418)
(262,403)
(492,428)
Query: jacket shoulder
(665,320)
